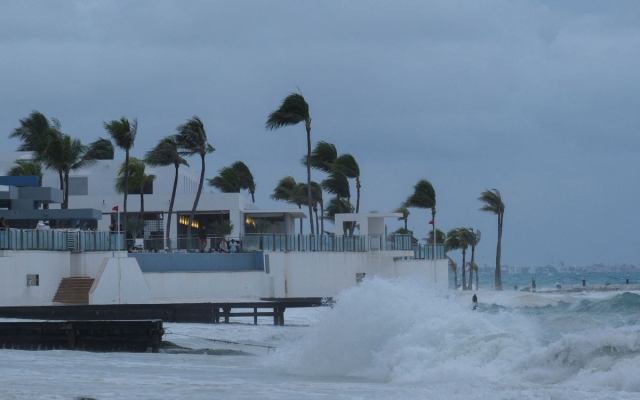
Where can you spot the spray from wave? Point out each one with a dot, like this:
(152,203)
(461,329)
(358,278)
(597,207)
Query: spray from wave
(407,332)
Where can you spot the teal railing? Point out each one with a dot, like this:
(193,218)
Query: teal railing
(60,240)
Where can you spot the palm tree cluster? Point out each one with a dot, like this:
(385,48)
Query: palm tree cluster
(51,148)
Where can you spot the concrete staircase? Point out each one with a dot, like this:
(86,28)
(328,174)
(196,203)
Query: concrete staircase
(73,291)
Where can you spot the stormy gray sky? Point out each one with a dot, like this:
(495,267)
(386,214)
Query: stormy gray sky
(537,99)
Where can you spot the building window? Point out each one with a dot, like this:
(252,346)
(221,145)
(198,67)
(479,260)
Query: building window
(78,186)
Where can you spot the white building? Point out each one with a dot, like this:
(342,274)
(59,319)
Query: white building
(286,265)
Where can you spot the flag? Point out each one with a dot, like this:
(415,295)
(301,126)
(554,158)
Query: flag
(432,222)
(115,208)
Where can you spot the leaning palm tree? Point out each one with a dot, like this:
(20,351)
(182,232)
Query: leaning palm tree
(245,178)
(33,131)
(124,134)
(66,154)
(166,153)
(424,196)
(101,149)
(493,204)
(26,167)
(453,267)
(471,238)
(286,190)
(348,166)
(138,180)
(405,215)
(233,179)
(293,110)
(192,140)
(454,242)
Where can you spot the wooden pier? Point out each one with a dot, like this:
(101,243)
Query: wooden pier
(99,336)
(174,312)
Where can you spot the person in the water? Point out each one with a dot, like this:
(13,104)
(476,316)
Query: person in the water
(474,300)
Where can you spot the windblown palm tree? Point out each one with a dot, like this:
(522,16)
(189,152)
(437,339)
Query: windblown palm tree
(493,204)
(26,168)
(293,110)
(233,179)
(35,133)
(454,242)
(453,267)
(405,215)
(471,238)
(348,166)
(440,237)
(138,179)
(192,140)
(424,196)
(123,134)
(66,154)
(166,153)
(101,149)
(322,157)
(286,190)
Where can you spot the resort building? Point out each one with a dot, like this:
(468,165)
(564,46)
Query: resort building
(40,267)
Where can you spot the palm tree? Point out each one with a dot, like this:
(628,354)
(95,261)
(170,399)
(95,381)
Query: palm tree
(222,229)
(233,179)
(124,134)
(440,237)
(138,179)
(348,166)
(26,168)
(285,191)
(293,110)
(192,140)
(65,155)
(493,204)
(101,149)
(424,196)
(33,131)
(472,239)
(166,153)
(261,226)
(454,242)
(405,215)
(453,266)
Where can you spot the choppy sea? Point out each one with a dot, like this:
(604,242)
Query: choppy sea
(381,340)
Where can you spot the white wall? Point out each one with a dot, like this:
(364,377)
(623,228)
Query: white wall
(52,266)
(184,287)
(88,264)
(303,274)
(119,281)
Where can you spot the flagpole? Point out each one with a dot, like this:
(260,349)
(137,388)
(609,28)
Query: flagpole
(118,228)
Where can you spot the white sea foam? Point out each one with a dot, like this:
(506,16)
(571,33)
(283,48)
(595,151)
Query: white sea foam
(382,340)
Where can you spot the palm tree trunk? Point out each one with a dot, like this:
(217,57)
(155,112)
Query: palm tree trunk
(358,194)
(195,204)
(464,270)
(321,218)
(173,198)
(65,197)
(126,191)
(473,253)
(498,278)
(308,126)
(300,207)
(477,274)
(61,179)
(141,204)
(406,220)
(455,279)
(317,220)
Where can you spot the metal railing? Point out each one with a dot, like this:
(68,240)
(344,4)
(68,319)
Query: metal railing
(86,241)
(60,240)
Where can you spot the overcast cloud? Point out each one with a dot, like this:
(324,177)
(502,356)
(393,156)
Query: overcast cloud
(537,99)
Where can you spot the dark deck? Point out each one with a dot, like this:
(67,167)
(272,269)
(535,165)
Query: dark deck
(173,312)
(101,336)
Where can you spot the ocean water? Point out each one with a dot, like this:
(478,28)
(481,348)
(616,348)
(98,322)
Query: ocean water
(381,340)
